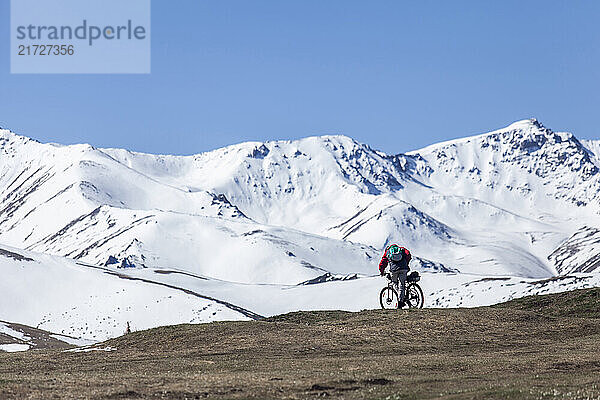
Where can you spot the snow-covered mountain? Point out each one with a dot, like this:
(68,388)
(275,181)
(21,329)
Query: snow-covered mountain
(464,205)
(522,202)
(76,299)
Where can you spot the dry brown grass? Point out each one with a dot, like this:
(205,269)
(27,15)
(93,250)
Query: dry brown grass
(521,350)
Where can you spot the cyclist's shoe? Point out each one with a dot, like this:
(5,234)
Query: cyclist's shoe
(401,304)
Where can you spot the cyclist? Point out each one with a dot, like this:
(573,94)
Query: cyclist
(398,258)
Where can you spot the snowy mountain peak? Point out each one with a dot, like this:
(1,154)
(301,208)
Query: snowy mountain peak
(525,158)
(530,122)
(517,131)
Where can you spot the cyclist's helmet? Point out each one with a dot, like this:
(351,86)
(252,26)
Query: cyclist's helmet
(394,253)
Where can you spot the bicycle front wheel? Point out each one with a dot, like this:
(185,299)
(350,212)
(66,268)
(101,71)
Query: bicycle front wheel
(415,297)
(388,298)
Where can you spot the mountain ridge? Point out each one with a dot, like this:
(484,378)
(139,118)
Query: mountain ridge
(318,183)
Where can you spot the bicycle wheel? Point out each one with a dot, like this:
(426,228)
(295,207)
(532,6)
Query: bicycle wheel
(415,298)
(388,298)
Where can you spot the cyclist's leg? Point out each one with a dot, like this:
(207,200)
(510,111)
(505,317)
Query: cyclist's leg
(401,278)
(394,278)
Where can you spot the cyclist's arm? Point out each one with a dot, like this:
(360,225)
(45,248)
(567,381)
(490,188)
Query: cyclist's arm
(383,264)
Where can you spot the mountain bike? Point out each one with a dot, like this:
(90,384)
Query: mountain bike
(413,298)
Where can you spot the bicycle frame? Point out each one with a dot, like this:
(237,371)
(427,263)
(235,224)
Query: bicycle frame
(411,285)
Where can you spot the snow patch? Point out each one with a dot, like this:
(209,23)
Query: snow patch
(14,347)
(88,349)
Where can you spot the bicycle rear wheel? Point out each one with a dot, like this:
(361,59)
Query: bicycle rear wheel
(415,297)
(388,298)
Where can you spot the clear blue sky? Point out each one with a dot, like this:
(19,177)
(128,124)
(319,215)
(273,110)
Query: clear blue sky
(395,74)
